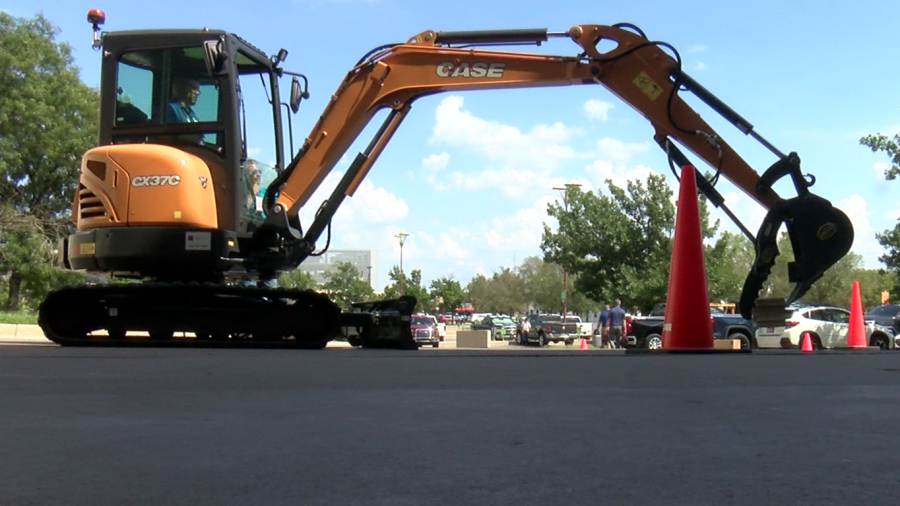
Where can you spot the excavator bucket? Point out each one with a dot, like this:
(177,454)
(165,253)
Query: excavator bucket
(381,324)
(820,235)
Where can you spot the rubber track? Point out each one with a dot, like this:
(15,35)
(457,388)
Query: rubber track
(223,316)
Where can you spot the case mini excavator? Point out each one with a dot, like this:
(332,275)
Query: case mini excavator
(161,199)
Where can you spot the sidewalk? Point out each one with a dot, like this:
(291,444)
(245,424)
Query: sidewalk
(22,333)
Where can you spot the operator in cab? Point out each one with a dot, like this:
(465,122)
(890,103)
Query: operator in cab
(184,95)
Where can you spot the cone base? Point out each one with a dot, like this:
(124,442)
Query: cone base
(683,351)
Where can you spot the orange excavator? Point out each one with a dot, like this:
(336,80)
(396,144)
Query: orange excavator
(162,199)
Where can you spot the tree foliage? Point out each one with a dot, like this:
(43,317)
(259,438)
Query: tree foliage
(345,285)
(503,292)
(617,245)
(412,285)
(447,293)
(48,118)
(298,279)
(890,146)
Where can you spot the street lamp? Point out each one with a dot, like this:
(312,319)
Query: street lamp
(401,236)
(564,190)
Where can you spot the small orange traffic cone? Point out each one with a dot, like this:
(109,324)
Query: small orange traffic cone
(583,344)
(856,333)
(806,342)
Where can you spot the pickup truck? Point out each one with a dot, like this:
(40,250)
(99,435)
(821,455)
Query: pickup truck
(646,331)
(550,328)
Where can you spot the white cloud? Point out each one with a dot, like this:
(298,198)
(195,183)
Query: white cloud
(615,149)
(698,48)
(544,146)
(369,205)
(620,174)
(864,242)
(879,168)
(597,109)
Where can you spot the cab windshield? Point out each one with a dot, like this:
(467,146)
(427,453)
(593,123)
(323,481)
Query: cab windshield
(167,87)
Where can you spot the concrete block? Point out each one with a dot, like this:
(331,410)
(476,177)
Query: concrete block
(726,344)
(473,339)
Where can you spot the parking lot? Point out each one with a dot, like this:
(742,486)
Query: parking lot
(447,426)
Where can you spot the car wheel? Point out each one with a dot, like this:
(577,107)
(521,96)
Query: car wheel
(881,341)
(570,342)
(541,340)
(436,345)
(653,342)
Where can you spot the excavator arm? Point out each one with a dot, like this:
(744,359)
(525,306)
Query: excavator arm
(638,70)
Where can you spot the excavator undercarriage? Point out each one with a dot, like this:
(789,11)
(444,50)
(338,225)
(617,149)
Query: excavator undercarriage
(210,315)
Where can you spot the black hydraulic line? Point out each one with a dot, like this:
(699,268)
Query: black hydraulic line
(532,35)
(704,186)
(727,112)
(714,102)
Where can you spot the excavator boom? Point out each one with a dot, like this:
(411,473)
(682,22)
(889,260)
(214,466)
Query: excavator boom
(639,71)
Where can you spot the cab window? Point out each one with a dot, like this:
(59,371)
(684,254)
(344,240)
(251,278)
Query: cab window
(166,86)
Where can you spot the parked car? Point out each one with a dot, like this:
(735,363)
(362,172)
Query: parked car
(828,326)
(887,315)
(502,328)
(424,330)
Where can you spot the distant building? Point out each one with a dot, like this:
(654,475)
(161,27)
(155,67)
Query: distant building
(364,261)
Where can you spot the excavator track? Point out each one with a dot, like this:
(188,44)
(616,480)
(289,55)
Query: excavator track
(201,315)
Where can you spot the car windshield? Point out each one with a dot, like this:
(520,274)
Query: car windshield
(420,320)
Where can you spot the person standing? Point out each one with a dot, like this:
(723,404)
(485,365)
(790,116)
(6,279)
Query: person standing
(600,338)
(526,329)
(616,324)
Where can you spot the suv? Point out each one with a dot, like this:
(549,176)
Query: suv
(828,326)
(887,315)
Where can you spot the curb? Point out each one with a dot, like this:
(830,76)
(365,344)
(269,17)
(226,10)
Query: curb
(21,332)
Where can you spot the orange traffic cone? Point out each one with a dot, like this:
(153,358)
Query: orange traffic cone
(686,324)
(806,342)
(583,344)
(856,334)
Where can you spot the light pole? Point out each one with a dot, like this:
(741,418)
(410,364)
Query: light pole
(401,236)
(564,190)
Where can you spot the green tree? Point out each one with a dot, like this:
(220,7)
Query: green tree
(449,292)
(542,280)
(48,118)
(728,261)
(890,239)
(298,279)
(412,286)
(890,146)
(345,285)
(617,245)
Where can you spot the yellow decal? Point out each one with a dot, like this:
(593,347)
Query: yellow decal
(86,248)
(648,86)
(177,215)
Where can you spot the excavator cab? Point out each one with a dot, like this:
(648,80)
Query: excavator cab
(166,195)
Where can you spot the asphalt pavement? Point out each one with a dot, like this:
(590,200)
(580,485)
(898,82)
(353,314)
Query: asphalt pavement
(502,426)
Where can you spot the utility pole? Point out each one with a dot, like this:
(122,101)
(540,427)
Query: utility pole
(564,190)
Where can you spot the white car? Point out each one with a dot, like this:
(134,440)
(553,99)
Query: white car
(828,326)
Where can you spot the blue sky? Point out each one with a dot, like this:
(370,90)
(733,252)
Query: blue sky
(469,175)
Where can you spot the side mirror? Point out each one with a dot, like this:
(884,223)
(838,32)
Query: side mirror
(297,94)
(214,58)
